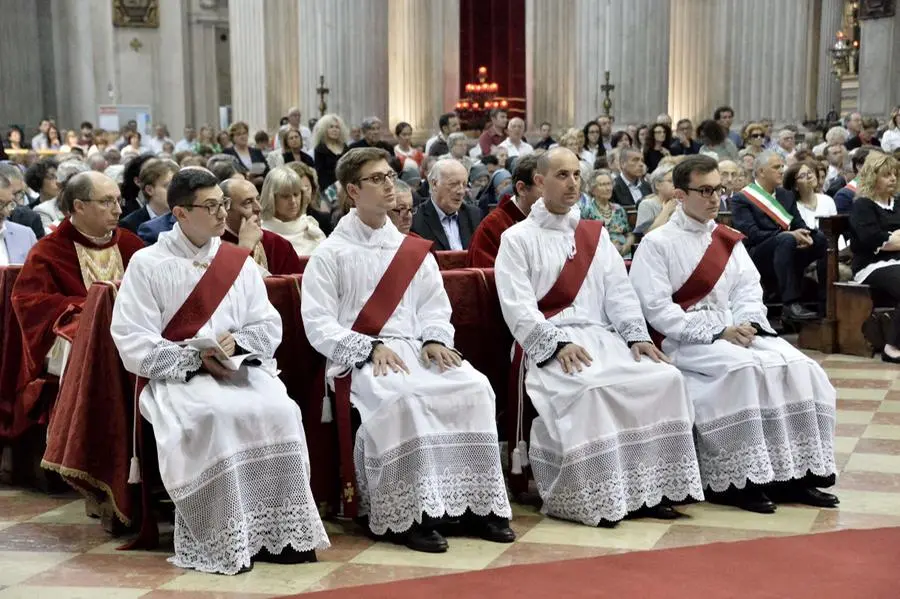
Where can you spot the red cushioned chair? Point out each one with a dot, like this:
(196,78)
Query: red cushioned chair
(451,259)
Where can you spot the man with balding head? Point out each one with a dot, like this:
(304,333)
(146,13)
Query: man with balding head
(515,143)
(613,434)
(401,213)
(447,220)
(731,175)
(88,246)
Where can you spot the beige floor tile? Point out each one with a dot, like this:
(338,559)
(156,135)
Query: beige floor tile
(870,462)
(464,554)
(889,405)
(786,519)
(35,592)
(627,535)
(71,513)
(16,566)
(882,431)
(265,578)
(854,417)
(112,548)
(10,492)
(849,373)
(895,386)
(7,523)
(845,444)
(847,358)
(870,502)
(862,394)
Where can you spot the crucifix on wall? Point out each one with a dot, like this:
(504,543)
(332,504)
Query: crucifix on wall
(322,91)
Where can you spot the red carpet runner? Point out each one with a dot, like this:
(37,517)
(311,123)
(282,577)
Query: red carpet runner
(862,564)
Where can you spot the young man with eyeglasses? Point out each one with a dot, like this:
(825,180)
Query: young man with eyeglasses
(272,253)
(764,412)
(373,303)
(193,321)
(87,247)
(777,237)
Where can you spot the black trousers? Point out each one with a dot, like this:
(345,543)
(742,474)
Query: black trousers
(887,280)
(779,258)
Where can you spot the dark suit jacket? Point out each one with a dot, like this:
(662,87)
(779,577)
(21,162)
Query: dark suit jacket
(622,195)
(304,158)
(427,224)
(135,219)
(759,226)
(362,143)
(25,216)
(150,230)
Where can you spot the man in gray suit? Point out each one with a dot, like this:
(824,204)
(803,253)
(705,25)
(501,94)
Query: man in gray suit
(15,240)
(21,214)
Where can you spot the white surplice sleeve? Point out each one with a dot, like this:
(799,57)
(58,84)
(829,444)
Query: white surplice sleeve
(620,301)
(746,296)
(261,331)
(433,309)
(538,337)
(319,305)
(650,277)
(137,326)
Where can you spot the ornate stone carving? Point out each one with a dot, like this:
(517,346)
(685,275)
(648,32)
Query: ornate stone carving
(136,13)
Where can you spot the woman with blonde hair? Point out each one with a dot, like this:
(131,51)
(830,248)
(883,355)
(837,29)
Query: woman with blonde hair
(875,237)
(754,135)
(283,210)
(329,141)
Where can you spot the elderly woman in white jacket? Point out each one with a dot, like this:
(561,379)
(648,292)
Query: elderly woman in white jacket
(284,200)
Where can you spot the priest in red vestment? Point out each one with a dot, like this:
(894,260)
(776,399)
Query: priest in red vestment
(511,210)
(273,253)
(87,247)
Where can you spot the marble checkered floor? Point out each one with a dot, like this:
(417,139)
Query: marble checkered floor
(49,549)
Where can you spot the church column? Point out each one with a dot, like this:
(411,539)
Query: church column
(828,91)
(550,70)
(282,57)
(423,58)
(879,79)
(248,69)
(20,67)
(204,24)
(693,61)
(345,40)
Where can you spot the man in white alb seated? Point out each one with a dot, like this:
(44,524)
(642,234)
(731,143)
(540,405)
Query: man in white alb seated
(231,446)
(613,433)
(373,303)
(765,413)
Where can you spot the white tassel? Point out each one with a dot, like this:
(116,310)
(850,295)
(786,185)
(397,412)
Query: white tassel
(523,451)
(134,471)
(516,462)
(327,416)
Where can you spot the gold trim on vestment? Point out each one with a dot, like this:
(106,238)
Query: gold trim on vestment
(99,264)
(67,473)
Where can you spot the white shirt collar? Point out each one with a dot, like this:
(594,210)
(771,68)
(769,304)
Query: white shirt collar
(560,222)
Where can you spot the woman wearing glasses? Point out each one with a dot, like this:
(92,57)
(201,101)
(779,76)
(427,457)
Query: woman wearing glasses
(754,139)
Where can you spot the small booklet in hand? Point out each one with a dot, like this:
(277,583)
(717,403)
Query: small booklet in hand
(202,344)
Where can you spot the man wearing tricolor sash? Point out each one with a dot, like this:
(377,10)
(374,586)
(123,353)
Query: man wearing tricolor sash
(765,413)
(373,303)
(193,321)
(613,433)
(777,239)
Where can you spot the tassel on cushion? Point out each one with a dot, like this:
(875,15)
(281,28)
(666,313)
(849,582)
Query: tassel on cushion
(134,471)
(327,416)
(516,461)
(523,450)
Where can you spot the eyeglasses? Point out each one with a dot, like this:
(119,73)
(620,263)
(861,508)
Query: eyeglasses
(380,178)
(213,209)
(108,203)
(708,191)
(756,136)
(5,205)
(401,212)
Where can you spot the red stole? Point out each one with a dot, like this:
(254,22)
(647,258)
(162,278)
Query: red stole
(196,311)
(281,256)
(557,299)
(370,320)
(485,241)
(707,272)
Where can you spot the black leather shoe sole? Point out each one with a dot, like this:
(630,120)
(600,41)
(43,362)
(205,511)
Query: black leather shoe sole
(497,533)
(660,512)
(425,541)
(808,496)
(755,504)
(288,556)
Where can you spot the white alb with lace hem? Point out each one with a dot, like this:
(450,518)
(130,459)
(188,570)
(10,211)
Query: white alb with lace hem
(617,435)
(232,454)
(428,440)
(763,413)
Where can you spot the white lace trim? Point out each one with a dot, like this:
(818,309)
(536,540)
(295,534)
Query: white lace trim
(701,326)
(608,478)
(438,333)
(352,349)
(768,445)
(542,341)
(439,475)
(634,330)
(757,316)
(255,499)
(255,340)
(169,361)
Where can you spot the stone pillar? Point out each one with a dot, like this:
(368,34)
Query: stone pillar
(879,75)
(174,87)
(282,57)
(828,90)
(246,19)
(423,58)
(550,71)
(694,63)
(205,23)
(347,42)
(20,69)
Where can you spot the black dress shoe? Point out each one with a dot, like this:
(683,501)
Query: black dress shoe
(245,569)
(607,523)
(492,528)
(889,359)
(425,540)
(797,312)
(805,495)
(288,555)
(750,499)
(662,511)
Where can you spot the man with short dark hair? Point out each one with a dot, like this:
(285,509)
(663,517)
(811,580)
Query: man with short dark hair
(546,141)
(495,133)
(866,135)
(371,135)
(606,123)
(373,303)
(486,241)
(684,142)
(724,115)
(764,412)
(630,187)
(193,321)
(438,145)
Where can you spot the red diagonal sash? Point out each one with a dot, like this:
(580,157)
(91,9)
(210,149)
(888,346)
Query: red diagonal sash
(707,272)
(196,311)
(370,320)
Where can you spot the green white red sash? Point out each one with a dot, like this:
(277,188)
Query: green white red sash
(852,185)
(766,202)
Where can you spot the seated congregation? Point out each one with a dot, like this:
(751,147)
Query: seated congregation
(651,386)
